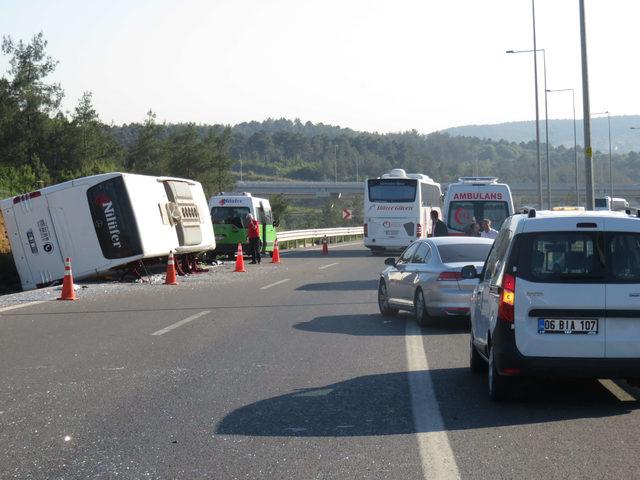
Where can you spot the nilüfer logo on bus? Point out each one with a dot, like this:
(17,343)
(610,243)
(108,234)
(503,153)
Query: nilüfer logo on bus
(478,196)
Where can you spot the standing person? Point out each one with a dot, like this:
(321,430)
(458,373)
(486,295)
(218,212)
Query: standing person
(438,227)
(487,231)
(473,229)
(253,232)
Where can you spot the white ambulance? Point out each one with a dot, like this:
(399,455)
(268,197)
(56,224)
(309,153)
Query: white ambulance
(473,199)
(102,222)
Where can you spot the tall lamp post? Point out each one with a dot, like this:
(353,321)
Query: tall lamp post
(610,163)
(575,140)
(546,124)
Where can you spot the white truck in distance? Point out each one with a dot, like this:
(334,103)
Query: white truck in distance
(611,203)
(102,222)
(397,207)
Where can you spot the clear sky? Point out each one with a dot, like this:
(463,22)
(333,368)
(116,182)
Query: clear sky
(364,64)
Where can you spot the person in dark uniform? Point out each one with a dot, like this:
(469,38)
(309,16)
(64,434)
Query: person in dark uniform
(439,229)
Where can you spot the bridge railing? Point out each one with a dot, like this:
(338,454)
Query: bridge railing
(295,238)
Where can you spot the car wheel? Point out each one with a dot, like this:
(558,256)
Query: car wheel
(420,309)
(498,385)
(476,362)
(383,301)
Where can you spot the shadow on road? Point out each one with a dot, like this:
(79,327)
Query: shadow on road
(371,285)
(380,405)
(376,324)
(359,325)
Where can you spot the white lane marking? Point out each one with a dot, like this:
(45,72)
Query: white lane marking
(181,322)
(275,283)
(437,457)
(617,391)
(20,305)
(327,266)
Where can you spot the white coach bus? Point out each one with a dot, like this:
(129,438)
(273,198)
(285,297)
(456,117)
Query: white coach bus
(397,209)
(103,222)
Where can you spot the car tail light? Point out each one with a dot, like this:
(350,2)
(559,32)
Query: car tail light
(507,298)
(366,230)
(419,230)
(449,276)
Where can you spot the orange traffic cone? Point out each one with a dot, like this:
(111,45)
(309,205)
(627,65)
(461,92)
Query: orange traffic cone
(68,292)
(275,257)
(239,260)
(325,246)
(171,278)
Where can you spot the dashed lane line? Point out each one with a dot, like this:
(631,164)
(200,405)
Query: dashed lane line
(275,283)
(616,390)
(436,455)
(20,305)
(173,326)
(327,266)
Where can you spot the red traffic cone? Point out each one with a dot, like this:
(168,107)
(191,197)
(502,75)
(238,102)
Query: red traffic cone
(68,292)
(171,278)
(239,260)
(325,246)
(275,257)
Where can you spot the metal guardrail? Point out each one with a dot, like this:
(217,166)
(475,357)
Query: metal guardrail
(294,238)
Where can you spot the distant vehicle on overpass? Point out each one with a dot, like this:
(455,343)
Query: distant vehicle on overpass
(611,203)
(397,207)
(474,199)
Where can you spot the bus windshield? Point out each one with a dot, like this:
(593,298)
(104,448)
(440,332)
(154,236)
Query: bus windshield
(113,219)
(392,190)
(229,216)
(462,214)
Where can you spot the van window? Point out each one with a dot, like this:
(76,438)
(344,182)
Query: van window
(560,257)
(623,257)
(601,203)
(462,213)
(497,255)
(113,219)
(229,216)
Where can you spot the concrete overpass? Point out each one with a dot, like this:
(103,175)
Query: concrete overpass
(326,189)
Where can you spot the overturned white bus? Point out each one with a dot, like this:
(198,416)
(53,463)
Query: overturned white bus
(103,222)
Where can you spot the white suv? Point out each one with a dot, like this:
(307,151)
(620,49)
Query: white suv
(559,295)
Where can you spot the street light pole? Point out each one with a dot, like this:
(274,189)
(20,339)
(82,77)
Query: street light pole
(610,162)
(575,139)
(586,115)
(546,128)
(335,164)
(535,69)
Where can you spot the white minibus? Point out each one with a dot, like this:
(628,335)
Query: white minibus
(397,209)
(611,203)
(102,222)
(473,199)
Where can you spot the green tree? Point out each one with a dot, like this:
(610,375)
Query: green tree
(149,154)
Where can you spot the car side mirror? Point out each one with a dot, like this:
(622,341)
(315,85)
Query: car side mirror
(390,261)
(469,272)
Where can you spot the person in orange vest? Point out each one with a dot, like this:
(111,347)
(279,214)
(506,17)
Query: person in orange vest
(253,232)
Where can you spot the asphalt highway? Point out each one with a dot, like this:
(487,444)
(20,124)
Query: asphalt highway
(284,372)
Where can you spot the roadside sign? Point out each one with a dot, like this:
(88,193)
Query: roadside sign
(347,214)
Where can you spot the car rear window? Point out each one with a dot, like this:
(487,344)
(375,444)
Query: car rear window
(561,257)
(623,257)
(465,252)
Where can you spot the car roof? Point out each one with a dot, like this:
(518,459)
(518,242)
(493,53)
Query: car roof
(566,219)
(459,240)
